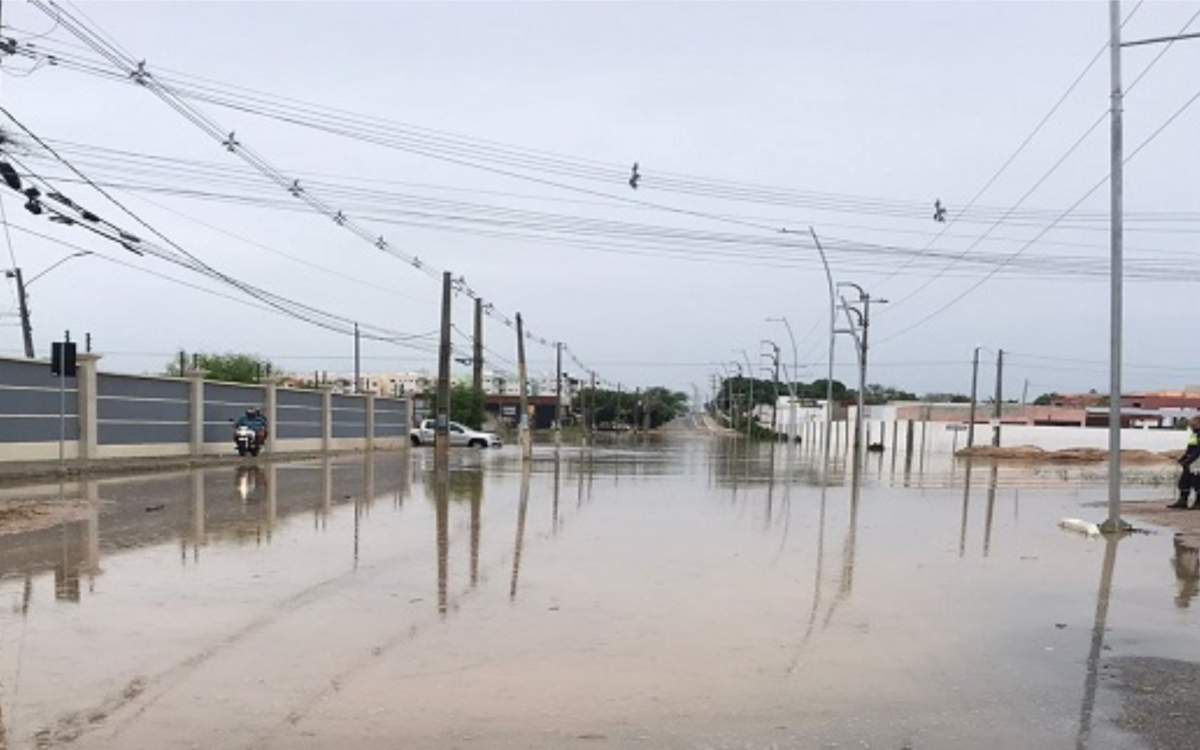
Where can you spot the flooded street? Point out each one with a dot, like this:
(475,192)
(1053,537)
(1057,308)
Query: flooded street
(677,593)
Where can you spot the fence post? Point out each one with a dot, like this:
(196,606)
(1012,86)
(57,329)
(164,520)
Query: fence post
(86,404)
(326,418)
(270,411)
(196,412)
(369,413)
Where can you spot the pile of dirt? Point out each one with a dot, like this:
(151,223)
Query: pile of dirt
(1034,454)
(22,516)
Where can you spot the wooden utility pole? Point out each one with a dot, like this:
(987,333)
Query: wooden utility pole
(477,356)
(442,422)
(524,436)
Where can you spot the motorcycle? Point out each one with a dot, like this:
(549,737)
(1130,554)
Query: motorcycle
(246,440)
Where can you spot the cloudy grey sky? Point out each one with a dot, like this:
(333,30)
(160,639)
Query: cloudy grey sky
(495,139)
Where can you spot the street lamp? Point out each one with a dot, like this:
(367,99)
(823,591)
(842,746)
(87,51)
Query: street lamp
(23,298)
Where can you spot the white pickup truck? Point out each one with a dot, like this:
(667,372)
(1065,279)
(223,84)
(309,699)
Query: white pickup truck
(459,435)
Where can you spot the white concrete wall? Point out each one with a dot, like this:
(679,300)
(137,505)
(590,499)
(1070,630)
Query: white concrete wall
(938,439)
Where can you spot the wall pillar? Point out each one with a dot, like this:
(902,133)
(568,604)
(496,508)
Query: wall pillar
(196,412)
(369,413)
(270,408)
(86,383)
(326,417)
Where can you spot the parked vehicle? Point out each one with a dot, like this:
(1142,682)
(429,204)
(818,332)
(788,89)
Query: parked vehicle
(459,436)
(246,440)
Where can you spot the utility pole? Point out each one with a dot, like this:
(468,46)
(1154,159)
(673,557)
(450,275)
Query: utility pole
(750,373)
(442,422)
(357,362)
(974,394)
(23,306)
(591,413)
(775,379)
(523,435)
(477,355)
(558,388)
(1116,272)
(999,398)
(864,322)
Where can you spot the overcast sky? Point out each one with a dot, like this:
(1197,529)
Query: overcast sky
(511,131)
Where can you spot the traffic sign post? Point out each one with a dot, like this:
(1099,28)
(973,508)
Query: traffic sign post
(63,364)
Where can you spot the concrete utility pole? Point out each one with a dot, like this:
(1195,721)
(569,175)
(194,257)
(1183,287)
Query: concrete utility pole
(591,413)
(442,422)
(357,362)
(1114,524)
(558,379)
(795,375)
(23,305)
(775,379)
(523,434)
(999,398)
(750,373)
(477,355)
(974,399)
(864,321)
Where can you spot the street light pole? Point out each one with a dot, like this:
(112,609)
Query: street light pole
(832,347)
(23,297)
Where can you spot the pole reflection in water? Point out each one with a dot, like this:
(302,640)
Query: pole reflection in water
(441,491)
(966,508)
(1092,680)
(326,490)
(476,531)
(522,509)
(770,485)
(554,522)
(991,509)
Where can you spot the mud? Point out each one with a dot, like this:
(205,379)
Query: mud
(1034,454)
(22,517)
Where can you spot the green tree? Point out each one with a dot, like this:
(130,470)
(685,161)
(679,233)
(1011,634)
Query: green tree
(883,394)
(604,407)
(466,405)
(229,367)
(1046,399)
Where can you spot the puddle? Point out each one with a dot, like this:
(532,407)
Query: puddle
(676,593)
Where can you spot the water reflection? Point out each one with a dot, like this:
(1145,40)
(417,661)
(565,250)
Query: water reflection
(519,544)
(838,574)
(1099,625)
(1186,563)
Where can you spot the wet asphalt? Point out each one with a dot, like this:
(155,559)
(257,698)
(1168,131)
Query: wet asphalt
(677,592)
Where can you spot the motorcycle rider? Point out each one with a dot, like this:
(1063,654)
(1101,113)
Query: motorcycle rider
(255,420)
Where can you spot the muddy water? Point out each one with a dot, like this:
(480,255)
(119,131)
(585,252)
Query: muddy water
(687,593)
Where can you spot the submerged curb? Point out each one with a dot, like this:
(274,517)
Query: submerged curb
(25,472)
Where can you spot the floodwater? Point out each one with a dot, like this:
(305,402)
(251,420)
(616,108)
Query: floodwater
(685,592)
